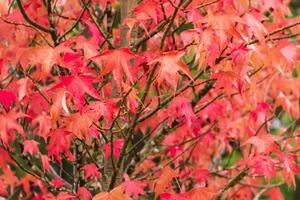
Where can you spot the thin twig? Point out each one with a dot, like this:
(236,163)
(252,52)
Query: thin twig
(232,183)
(74,25)
(170,24)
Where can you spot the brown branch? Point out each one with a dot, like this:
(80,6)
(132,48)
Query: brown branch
(207,4)
(232,183)
(170,24)
(74,25)
(28,26)
(51,22)
(275,32)
(247,184)
(30,21)
(152,33)
(105,35)
(124,10)
(28,171)
(38,89)
(220,58)
(130,131)
(134,46)
(167,100)
(191,146)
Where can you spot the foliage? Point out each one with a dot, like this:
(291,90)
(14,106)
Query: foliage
(151,99)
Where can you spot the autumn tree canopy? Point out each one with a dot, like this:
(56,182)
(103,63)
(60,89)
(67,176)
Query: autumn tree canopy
(148,99)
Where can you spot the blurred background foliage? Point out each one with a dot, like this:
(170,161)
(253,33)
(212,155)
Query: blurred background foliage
(295,7)
(289,193)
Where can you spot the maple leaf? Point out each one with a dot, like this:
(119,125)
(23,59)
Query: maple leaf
(283,101)
(261,165)
(290,166)
(9,177)
(31,147)
(43,57)
(93,31)
(45,163)
(8,123)
(264,143)
(260,113)
(120,63)
(201,175)
(3,186)
(7,98)
(84,193)
(174,150)
(181,108)
(276,194)
(44,123)
(169,196)
(223,24)
(164,181)
(147,10)
(58,182)
(133,187)
(91,171)
(79,124)
(257,28)
(200,193)
(26,182)
(98,109)
(170,65)
(115,194)
(59,143)
(118,144)
(72,85)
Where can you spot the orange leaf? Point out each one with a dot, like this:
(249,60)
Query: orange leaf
(116,194)
(202,193)
(164,181)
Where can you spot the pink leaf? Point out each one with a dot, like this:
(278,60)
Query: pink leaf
(133,187)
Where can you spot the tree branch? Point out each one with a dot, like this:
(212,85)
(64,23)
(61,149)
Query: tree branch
(170,24)
(130,131)
(232,183)
(74,25)
(51,22)
(30,21)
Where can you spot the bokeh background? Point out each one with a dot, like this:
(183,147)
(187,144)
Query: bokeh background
(292,193)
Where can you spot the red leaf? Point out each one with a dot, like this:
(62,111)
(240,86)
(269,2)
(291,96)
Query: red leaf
(133,187)
(7,98)
(58,182)
(31,147)
(77,86)
(257,28)
(119,64)
(263,143)
(170,65)
(84,193)
(91,171)
(98,109)
(45,162)
(118,144)
(59,143)
(8,123)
